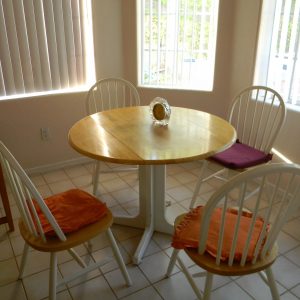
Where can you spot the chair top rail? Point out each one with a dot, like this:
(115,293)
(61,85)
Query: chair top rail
(283,213)
(254,218)
(111,93)
(258,113)
(10,175)
(254,113)
(242,193)
(221,237)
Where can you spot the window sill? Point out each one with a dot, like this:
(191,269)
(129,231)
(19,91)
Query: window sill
(157,87)
(292,107)
(81,89)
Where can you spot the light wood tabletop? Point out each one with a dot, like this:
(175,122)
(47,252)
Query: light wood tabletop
(128,136)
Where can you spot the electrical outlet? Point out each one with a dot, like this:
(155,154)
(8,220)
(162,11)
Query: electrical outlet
(45,134)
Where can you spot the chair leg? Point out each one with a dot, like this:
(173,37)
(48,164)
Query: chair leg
(89,245)
(53,276)
(269,189)
(96,178)
(77,257)
(172,262)
(189,278)
(208,286)
(118,257)
(199,183)
(272,284)
(24,259)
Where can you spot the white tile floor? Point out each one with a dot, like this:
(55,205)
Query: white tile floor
(120,192)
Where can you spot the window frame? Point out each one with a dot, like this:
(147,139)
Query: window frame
(174,87)
(264,52)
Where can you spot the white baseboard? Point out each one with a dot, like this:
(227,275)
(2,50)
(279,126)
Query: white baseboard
(58,165)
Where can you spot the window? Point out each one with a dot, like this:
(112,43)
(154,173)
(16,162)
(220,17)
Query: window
(177,42)
(43,46)
(277,64)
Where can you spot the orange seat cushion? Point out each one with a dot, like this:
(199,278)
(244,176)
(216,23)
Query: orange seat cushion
(72,210)
(187,232)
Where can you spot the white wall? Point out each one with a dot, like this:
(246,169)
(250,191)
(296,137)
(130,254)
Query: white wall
(21,120)
(107,26)
(288,141)
(245,35)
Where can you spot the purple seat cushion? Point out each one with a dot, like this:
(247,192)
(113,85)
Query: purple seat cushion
(240,156)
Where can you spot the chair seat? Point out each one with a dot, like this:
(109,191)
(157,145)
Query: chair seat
(186,234)
(240,156)
(208,263)
(72,210)
(54,244)
(235,235)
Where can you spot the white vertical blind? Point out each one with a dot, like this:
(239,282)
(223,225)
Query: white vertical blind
(6,64)
(52,44)
(67,10)
(26,63)
(61,44)
(1,80)
(42,45)
(79,43)
(33,44)
(13,40)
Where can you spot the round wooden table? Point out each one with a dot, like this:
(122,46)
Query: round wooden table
(128,136)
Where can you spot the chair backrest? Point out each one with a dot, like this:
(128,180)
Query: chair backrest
(257,113)
(25,195)
(274,203)
(111,93)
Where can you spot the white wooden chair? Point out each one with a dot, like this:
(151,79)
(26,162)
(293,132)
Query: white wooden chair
(283,181)
(110,93)
(28,200)
(257,113)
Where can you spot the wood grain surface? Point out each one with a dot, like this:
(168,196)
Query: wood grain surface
(128,136)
